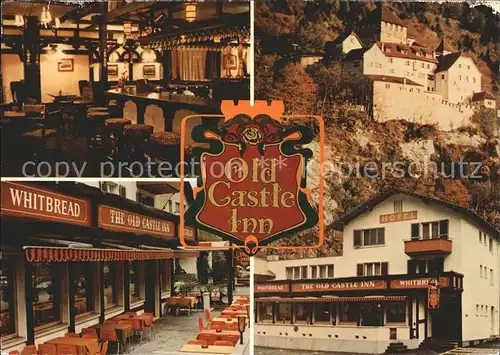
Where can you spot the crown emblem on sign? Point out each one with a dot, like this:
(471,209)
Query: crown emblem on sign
(275,109)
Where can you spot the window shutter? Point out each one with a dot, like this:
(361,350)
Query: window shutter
(357,238)
(123,191)
(443,229)
(415,231)
(385,268)
(359,271)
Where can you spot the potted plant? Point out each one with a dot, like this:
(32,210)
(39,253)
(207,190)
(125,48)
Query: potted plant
(272,255)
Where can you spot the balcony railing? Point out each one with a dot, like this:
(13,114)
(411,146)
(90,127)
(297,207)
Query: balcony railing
(415,247)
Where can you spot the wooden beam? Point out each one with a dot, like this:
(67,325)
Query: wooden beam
(126,10)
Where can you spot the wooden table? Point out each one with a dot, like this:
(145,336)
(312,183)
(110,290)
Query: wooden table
(124,331)
(225,320)
(235,313)
(212,349)
(168,102)
(85,346)
(223,332)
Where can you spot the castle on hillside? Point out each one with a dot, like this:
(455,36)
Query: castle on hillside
(407,80)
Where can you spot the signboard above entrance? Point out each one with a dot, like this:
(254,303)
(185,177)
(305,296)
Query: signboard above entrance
(398,217)
(29,201)
(340,286)
(115,219)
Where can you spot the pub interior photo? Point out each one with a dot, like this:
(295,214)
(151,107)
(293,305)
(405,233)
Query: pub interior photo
(88,83)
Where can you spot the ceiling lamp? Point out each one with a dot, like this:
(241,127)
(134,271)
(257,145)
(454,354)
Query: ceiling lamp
(46,19)
(19,21)
(190,10)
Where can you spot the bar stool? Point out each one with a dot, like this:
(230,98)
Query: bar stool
(165,146)
(115,128)
(96,126)
(97,109)
(136,138)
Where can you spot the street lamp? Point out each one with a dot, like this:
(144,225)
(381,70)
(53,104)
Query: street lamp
(242,324)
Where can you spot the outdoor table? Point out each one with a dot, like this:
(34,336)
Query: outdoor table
(222,332)
(225,320)
(235,313)
(211,349)
(175,299)
(124,331)
(85,346)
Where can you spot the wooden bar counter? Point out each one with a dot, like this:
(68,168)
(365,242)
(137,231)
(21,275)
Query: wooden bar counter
(168,102)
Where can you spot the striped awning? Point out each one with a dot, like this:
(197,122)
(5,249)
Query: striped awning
(332,299)
(55,254)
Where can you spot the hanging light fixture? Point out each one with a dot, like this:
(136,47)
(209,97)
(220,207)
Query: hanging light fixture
(190,10)
(19,21)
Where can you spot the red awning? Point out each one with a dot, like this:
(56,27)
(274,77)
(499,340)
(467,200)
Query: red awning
(332,299)
(54,254)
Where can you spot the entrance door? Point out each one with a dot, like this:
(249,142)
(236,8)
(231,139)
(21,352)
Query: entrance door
(446,320)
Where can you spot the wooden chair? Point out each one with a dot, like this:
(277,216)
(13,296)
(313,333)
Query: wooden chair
(230,337)
(29,350)
(89,331)
(47,349)
(71,335)
(150,325)
(197,342)
(208,316)
(104,348)
(109,334)
(137,326)
(209,338)
(185,303)
(223,343)
(64,349)
(201,326)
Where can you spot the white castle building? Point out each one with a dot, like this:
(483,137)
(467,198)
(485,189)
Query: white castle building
(409,81)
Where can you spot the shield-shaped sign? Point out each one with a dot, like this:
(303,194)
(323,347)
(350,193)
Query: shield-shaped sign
(433,294)
(252,185)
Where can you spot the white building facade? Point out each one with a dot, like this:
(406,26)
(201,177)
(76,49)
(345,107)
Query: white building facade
(376,293)
(448,81)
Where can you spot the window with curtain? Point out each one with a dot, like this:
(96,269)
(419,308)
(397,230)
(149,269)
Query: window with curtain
(165,276)
(396,312)
(46,291)
(195,64)
(136,279)
(284,314)
(84,288)
(110,284)
(322,312)
(7,297)
(349,312)
(265,312)
(302,313)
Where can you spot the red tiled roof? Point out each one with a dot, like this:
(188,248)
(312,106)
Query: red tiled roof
(410,52)
(483,95)
(392,79)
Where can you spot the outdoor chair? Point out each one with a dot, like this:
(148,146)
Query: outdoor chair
(89,331)
(230,337)
(109,335)
(197,342)
(104,348)
(71,335)
(29,350)
(209,338)
(223,343)
(47,349)
(64,349)
(151,324)
(208,316)
(201,326)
